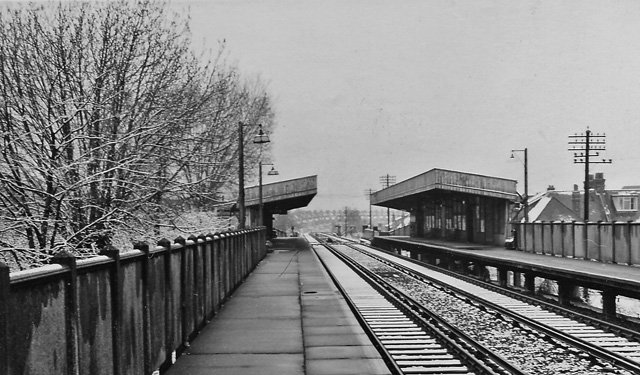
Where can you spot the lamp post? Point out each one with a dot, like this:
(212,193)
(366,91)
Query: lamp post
(272,172)
(387,181)
(367,193)
(526,182)
(260,138)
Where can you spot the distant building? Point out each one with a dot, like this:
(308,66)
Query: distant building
(604,205)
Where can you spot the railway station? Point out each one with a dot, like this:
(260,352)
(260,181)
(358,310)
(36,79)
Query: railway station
(453,206)
(131,244)
(235,303)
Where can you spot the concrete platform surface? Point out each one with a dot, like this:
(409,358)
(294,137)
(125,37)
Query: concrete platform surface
(286,318)
(567,266)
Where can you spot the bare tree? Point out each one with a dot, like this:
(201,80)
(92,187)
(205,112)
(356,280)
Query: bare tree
(109,121)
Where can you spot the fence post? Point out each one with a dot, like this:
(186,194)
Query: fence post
(613,242)
(223,267)
(585,239)
(67,259)
(184,315)
(5,288)
(115,274)
(542,237)
(553,240)
(523,225)
(533,237)
(562,234)
(629,250)
(146,318)
(573,238)
(169,316)
(197,292)
(215,268)
(599,243)
(207,279)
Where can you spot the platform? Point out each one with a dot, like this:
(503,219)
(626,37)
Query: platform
(623,278)
(286,318)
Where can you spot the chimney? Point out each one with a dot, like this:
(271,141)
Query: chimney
(575,199)
(598,183)
(551,188)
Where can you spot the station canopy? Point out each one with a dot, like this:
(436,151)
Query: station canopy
(280,197)
(402,195)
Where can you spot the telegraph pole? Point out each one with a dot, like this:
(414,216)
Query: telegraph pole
(584,147)
(367,193)
(387,181)
(345,221)
(526,182)
(241,207)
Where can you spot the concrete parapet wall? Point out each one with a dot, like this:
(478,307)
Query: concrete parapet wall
(120,313)
(609,242)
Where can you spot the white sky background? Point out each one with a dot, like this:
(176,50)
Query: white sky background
(363,88)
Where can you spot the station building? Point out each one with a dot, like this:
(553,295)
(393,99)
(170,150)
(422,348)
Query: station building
(453,206)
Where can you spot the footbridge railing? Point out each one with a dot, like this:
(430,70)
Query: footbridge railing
(122,312)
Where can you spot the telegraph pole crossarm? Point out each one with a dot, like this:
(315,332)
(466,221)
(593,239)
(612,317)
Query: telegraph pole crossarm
(584,147)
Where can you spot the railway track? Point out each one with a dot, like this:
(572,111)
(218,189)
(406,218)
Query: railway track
(411,338)
(605,348)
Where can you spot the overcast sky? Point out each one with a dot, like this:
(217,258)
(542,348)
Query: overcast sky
(365,88)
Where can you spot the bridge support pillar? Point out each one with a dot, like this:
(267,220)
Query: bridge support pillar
(566,292)
(609,303)
(530,283)
(429,259)
(465,266)
(503,277)
(517,279)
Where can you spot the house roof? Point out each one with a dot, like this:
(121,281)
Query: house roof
(550,208)
(554,205)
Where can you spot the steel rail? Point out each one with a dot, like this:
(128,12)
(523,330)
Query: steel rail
(386,356)
(472,353)
(592,349)
(626,332)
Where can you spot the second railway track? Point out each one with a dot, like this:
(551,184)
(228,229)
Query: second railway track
(412,340)
(562,346)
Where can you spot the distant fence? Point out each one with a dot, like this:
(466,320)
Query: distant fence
(610,242)
(120,313)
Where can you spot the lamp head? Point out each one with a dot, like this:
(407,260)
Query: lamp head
(261,137)
(273,172)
